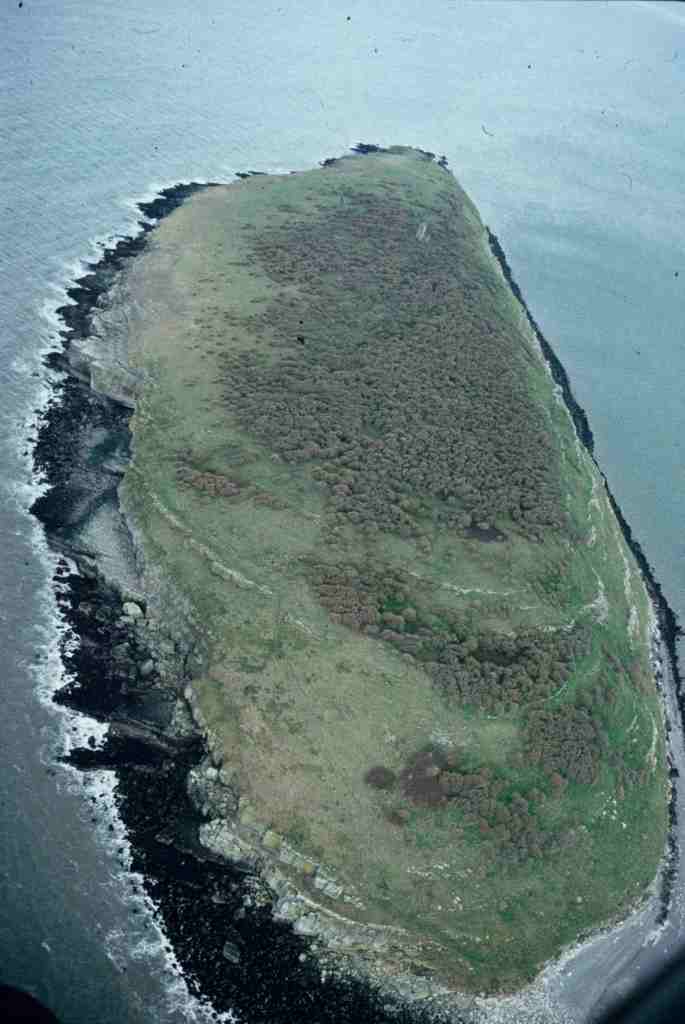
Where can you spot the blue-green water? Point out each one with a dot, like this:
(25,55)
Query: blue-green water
(565,123)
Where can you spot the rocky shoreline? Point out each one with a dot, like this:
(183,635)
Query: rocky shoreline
(232,934)
(668,631)
(133,671)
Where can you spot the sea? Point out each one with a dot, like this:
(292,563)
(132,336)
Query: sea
(564,121)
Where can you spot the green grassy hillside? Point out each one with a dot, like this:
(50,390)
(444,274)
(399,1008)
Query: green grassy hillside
(428,642)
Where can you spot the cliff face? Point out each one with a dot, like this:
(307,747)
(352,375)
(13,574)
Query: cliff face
(413,634)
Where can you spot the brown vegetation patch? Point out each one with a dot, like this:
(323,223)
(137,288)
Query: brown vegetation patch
(380,777)
(212,483)
(266,500)
(485,533)
(397,816)
(348,596)
(420,779)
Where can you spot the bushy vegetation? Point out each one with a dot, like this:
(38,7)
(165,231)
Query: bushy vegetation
(420,418)
(428,660)
(492,671)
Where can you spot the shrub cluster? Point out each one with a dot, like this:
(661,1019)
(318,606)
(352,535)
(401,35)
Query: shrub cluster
(509,819)
(512,824)
(500,673)
(566,742)
(375,602)
(495,672)
(212,483)
(394,377)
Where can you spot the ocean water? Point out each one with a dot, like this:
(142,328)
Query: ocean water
(564,122)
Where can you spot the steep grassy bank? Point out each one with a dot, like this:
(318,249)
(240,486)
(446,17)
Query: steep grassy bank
(428,643)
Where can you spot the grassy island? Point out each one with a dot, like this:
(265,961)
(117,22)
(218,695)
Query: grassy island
(426,668)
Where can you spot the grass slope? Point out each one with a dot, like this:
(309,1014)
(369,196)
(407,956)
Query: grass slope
(351,459)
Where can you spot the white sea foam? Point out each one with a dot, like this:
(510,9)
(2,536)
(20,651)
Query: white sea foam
(50,323)
(132,204)
(148,943)
(143,938)
(144,941)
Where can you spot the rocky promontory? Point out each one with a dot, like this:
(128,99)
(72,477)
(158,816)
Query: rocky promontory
(351,590)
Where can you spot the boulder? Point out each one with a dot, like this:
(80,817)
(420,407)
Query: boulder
(307,924)
(132,610)
(88,567)
(231,952)
(328,887)
(289,909)
(271,840)
(218,837)
(208,795)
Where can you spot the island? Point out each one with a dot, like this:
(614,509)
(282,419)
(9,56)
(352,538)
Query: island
(373,559)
